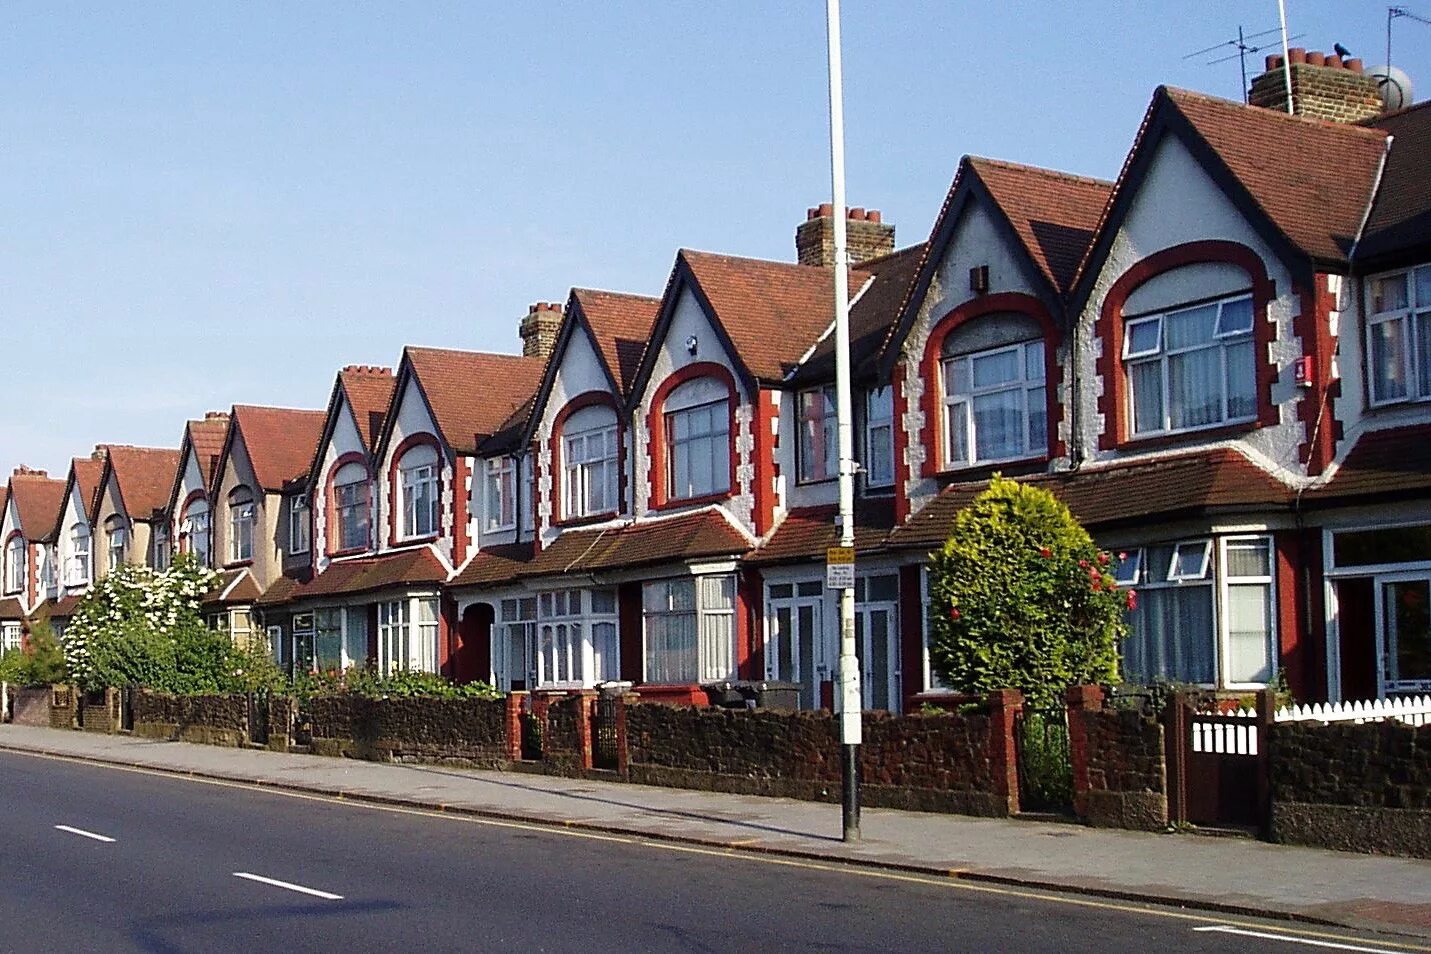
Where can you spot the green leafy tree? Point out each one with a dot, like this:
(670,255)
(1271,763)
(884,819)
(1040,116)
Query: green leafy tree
(39,663)
(1020,597)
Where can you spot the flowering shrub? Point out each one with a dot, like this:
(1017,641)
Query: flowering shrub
(1021,598)
(400,684)
(40,663)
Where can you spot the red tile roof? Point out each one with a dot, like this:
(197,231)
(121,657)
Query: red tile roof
(234,588)
(37,500)
(280,441)
(10,609)
(1385,463)
(473,393)
(806,533)
(1053,213)
(622,325)
(145,476)
(499,564)
(206,437)
(872,315)
(368,574)
(62,608)
(773,312)
(1183,485)
(369,391)
(1397,224)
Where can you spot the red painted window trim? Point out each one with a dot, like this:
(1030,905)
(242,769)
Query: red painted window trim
(330,505)
(1113,403)
(932,435)
(558,457)
(395,502)
(179,539)
(656,427)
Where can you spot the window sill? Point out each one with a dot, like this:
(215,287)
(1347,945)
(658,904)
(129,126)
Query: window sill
(505,528)
(567,522)
(815,482)
(350,551)
(238,564)
(981,470)
(414,541)
(679,502)
(1153,441)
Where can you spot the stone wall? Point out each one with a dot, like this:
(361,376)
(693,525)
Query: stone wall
(30,706)
(64,707)
(945,762)
(1352,787)
(100,711)
(470,732)
(1119,764)
(210,720)
(566,733)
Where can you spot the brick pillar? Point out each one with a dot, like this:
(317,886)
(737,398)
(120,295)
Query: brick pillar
(585,712)
(1081,699)
(1004,708)
(1175,738)
(516,701)
(623,752)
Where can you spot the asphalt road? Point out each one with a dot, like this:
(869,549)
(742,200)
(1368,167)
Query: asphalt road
(104,859)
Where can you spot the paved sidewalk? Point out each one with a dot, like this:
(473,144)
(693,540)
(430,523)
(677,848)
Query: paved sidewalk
(1230,874)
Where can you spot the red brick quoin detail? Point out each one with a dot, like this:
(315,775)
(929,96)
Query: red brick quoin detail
(558,455)
(395,501)
(932,435)
(332,534)
(656,427)
(1314,407)
(1113,403)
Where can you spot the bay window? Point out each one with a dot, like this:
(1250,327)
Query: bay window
(1190,368)
(879,437)
(241,515)
(350,507)
(407,635)
(995,404)
(194,531)
(15,564)
(12,638)
(590,472)
(1399,336)
(116,540)
(576,637)
(818,450)
(417,475)
(79,567)
(697,422)
(500,503)
(519,632)
(689,629)
(340,637)
(298,528)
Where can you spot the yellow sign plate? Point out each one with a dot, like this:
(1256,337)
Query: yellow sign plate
(840,555)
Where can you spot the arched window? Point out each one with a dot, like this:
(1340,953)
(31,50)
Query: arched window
(77,573)
(194,531)
(995,393)
(417,483)
(350,507)
(697,422)
(241,515)
(589,455)
(15,564)
(116,538)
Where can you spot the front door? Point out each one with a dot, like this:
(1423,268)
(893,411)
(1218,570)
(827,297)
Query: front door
(1404,612)
(794,647)
(877,642)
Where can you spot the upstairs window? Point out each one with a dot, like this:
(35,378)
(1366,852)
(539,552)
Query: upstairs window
(15,564)
(697,422)
(500,498)
(298,528)
(591,469)
(194,531)
(350,507)
(1191,368)
(1399,336)
(879,438)
(995,404)
(160,559)
(819,444)
(241,514)
(417,475)
(116,541)
(79,567)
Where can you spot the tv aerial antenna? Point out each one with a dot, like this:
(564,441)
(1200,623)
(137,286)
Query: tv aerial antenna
(1244,44)
(1392,15)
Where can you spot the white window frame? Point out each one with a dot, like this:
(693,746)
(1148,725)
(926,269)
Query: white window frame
(352,497)
(196,532)
(12,637)
(585,471)
(1225,582)
(959,404)
(816,416)
(242,515)
(519,620)
(407,639)
(879,432)
(160,548)
(79,568)
(1410,316)
(1221,341)
(499,495)
(715,626)
(715,419)
(116,542)
(300,537)
(415,481)
(15,568)
(563,650)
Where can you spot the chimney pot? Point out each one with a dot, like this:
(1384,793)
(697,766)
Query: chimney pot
(215,415)
(868,236)
(826,209)
(872,216)
(811,213)
(857,213)
(1274,61)
(1353,64)
(1297,55)
(1319,59)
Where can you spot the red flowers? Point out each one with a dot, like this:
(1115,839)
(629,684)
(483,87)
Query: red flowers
(953,612)
(1045,553)
(1083,564)
(1132,600)
(1102,559)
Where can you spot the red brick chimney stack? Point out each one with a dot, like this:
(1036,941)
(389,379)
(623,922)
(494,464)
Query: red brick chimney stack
(866,233)
(1324,86)
(539,329)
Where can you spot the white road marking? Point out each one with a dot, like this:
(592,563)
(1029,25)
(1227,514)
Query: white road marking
(1291,939)
(288,886)
(85,834)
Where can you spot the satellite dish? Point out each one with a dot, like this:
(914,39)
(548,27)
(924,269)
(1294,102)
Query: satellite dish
(1395,86)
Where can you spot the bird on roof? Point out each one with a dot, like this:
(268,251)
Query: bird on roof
(1341,50)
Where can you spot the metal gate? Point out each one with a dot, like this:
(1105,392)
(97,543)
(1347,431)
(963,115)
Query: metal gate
(531,724)
(126,708)
(1045,763)
(258,718)
(603,733)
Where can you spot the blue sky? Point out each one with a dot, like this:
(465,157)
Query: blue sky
(218,203)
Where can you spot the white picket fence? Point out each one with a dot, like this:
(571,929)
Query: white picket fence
(1413,710)
(1231,733)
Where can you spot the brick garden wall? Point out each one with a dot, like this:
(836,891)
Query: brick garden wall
(469,732)
(211,720)
(30,706)
(946,762)
(1119,764)
(1352,787)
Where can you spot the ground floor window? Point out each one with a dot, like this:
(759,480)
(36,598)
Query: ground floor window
(511,652)
(1204,613)
(576,636)
(407,635)
(689,629)
(340,637)
(1379,607)
(11,638)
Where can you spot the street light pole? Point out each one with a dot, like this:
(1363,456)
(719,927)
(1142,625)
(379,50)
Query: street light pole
(848,676)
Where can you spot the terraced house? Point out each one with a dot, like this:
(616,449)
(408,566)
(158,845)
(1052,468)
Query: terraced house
(1221,360)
